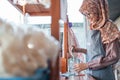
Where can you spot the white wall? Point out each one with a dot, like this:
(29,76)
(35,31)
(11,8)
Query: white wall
(73,11)
(9,12)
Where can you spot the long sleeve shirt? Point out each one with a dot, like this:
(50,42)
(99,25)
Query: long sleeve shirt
(111,57)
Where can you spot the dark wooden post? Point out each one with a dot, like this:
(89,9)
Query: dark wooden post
(55,15)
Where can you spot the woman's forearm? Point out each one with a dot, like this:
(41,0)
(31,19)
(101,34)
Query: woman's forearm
(111,57)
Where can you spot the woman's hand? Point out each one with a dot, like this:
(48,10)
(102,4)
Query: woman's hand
(80,67)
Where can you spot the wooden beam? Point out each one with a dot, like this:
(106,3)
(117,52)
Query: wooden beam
(32,9)
(65,52)
(55,14)
(65,40)
(36,13)
(39,14)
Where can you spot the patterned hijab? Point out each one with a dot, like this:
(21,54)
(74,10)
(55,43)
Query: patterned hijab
(99,8)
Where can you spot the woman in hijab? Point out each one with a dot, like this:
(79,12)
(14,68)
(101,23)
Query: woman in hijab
(102,41)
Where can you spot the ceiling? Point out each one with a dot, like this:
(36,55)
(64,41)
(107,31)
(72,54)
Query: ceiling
(114,7)
(32,9)
(39,10)
(35,10)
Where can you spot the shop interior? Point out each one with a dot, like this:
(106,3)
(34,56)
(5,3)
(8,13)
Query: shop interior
(37,37)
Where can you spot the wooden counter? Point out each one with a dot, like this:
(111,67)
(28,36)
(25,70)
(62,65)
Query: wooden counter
(72,78)
(80,77)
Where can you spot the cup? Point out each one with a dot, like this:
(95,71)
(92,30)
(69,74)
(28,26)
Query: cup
(71,64)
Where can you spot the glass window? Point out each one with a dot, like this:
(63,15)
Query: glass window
(78,21)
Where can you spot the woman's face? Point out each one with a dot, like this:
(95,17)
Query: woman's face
(90,11)
(92,18)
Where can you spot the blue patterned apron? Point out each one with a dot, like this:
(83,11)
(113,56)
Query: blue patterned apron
(95,49)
